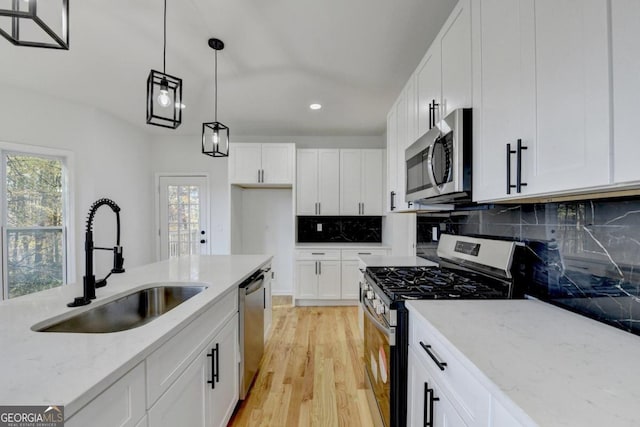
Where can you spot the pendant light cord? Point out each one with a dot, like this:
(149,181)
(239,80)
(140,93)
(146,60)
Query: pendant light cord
(216,87)
(164,48)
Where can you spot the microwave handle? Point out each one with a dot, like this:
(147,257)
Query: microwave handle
(430,174)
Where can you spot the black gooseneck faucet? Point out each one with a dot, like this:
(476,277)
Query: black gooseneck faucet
(89,280)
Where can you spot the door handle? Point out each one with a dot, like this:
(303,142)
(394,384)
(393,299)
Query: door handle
(519,183)
(393,196)
(433,357)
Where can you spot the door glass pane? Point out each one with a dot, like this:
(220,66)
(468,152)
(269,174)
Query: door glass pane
(34,243)
(183,220)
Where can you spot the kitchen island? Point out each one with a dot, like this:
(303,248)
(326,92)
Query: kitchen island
(526,362)
(71,369)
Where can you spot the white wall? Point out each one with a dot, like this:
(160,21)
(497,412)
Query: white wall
(267,226)
(111,160)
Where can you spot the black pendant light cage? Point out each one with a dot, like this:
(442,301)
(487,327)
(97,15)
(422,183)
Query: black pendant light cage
(215,135)
(168,113)
(164,92)
(35,24)
(215,139)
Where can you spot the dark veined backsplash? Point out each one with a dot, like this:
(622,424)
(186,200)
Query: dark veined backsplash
(339,229)
(583,256)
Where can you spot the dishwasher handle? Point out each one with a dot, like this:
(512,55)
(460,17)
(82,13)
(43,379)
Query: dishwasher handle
(253,285)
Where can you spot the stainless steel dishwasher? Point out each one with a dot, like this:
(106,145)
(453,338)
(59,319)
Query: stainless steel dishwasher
(251,308)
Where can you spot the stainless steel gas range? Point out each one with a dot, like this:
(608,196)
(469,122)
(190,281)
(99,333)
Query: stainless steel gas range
(469,268)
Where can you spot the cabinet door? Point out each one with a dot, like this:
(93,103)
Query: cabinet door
(350,182)
(185,403)
(572,96)
(307,279)
(372,182)
(350,276)
(402,144)
(456,59)
(223,394)
(428,80)
(329,279)
(121,405)
(277,163)
(245,162)
(420,403)
(625,17)
(412,110)
(392,161)
(504,99)
(307,182)
(329,181)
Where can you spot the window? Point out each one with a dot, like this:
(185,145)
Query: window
(34,244)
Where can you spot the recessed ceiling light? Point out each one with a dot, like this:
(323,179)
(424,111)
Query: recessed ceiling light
(315,106)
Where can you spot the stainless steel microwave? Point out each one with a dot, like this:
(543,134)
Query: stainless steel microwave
(439,162)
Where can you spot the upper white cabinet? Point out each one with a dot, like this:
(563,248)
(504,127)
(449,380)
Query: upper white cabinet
(429,86)
(318,182)
(543,80)
(256,164)
(625,29)
(455,51)
(392,160)
(361,180)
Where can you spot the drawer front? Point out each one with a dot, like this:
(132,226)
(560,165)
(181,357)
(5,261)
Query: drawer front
(318,254)
(167,363)
(354,254)
(466,392)
(122,404)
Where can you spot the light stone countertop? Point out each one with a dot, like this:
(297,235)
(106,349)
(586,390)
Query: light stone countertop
(41,368)
(395,261)
(560,368)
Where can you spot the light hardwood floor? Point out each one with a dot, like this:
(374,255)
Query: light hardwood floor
(311,372)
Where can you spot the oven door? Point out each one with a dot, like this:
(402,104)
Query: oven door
(379,338)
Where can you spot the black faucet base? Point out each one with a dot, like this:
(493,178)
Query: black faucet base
(79,302)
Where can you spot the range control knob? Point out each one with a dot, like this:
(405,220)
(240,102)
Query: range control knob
(370,295)
(380,309)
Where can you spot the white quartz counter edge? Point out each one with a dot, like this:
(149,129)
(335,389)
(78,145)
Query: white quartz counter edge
(545,365)
(40,368)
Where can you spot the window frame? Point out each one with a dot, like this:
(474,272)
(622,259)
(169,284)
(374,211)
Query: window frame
(68,232)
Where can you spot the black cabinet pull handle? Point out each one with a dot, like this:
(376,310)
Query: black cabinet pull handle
(203,241)
(264,298)
(393,197)
(509,153)
(433,357)
(364,253)
(519,183)
(429,398)
(320,267)
(430,115)
(215,367)
(316,263)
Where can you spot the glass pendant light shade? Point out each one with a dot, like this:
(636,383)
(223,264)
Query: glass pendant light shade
(164,100)
(215,139)
(35,23)
(215,135)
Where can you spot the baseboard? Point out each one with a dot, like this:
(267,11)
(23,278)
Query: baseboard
(325,302)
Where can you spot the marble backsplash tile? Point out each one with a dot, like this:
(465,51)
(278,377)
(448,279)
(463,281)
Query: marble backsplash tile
(585,255)
(343,229)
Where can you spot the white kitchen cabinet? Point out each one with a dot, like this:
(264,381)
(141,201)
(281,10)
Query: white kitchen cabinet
(350,279)
(546,84)
(361,182)
(392,160)
(121,405)
(625,29)
(318,279)
(206,393)
(252,164)
(318,182)
(426,398)
(455,43)
(429,86)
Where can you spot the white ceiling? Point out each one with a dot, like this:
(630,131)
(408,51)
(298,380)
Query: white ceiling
(352,56)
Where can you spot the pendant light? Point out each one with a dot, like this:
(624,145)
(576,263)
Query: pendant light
(164,92)
(215,135)
(26,24)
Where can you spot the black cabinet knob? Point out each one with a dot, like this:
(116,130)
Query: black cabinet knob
(202,232)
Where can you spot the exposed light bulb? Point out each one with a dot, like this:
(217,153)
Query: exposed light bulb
(163,99)
(216,137)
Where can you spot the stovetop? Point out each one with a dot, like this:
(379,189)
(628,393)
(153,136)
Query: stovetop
(402,283)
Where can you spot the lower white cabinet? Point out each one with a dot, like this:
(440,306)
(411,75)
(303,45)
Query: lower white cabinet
(206,393)
(428,404)
(268,304)
(350,280)
(121,405)
(318,279)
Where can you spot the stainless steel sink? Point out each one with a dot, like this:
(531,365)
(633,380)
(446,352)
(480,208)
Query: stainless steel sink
(128,312)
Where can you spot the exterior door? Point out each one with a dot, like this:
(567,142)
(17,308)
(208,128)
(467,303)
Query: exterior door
(184,216)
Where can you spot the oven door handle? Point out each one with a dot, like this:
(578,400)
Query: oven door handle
(389,332)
